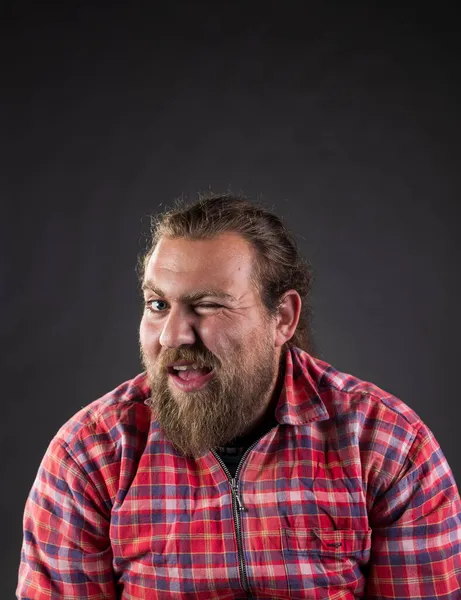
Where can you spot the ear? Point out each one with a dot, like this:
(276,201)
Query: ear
(287,317)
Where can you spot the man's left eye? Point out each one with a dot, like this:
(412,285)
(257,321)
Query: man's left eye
(207,306)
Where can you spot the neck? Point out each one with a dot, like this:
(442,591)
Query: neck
(269,406)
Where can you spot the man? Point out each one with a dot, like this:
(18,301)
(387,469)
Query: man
(238,465)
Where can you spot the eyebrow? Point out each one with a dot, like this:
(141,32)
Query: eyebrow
(191,296)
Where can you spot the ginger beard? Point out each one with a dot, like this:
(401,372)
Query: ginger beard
(225,408)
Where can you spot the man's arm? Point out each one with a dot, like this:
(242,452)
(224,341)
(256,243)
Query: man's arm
(66,551)
(416,543)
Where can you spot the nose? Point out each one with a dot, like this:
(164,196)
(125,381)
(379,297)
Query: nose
(178,329)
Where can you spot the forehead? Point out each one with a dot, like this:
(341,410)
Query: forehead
(224,262)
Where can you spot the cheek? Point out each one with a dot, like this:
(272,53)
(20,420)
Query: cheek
(148,335)
(219,335)
(211,334)
(223,336)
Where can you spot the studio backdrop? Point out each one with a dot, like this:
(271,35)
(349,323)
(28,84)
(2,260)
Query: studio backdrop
(343,119)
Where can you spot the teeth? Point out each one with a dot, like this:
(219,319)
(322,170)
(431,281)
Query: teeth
(185,367)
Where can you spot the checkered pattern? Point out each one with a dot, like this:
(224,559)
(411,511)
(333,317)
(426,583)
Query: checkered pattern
(349,496)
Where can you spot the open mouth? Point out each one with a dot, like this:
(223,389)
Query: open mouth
(186,373)
(190,377)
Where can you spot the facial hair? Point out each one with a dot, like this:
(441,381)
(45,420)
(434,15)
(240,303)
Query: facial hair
(198,421)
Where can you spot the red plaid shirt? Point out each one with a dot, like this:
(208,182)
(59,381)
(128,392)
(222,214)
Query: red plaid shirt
(348,496)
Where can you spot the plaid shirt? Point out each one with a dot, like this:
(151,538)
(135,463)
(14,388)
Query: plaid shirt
(348,496)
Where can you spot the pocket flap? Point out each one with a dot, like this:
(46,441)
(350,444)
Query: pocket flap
(331,542)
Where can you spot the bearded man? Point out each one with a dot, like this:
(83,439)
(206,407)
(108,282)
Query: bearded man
(238,465)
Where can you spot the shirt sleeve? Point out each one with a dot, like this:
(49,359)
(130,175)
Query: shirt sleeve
(66,552)
(416,524)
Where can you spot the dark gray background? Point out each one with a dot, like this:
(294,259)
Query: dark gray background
(343,117)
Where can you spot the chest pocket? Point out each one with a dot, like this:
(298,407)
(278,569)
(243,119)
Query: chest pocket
(326,559)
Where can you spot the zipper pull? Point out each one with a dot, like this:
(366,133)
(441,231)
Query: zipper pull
(236,494)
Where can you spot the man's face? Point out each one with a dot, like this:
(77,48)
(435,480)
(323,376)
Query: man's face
(202,310)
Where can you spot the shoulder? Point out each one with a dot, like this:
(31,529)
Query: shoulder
(116,419)
(361,417)
(367,424)
(95,454)
(347,392)
(344,394)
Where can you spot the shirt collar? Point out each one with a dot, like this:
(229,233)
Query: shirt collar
(299,402)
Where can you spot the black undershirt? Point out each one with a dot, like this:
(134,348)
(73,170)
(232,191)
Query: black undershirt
(233,452)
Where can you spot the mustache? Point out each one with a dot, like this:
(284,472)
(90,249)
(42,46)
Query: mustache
(198,356)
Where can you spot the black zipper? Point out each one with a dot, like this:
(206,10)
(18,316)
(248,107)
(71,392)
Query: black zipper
(238,507)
